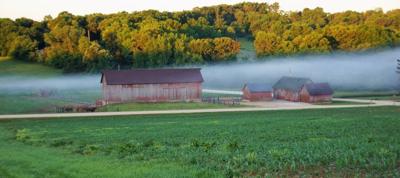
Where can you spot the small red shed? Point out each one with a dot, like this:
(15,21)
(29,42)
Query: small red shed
(151,85)
(257,92)
(316,92)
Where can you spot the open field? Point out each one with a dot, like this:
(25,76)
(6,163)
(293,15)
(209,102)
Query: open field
(26,100)
(162,106)
(332,142)
(335,102)
(30,102)
(19,104)
(9,68)
(369,95)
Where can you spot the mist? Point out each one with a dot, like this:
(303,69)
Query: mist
(362,71)
(32,83)
(356,71)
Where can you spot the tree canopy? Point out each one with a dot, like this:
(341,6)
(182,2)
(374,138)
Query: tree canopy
(203,35)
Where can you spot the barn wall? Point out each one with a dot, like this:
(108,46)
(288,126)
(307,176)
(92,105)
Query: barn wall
(286,95)
(152,92)
(307,98)
(246,94)
(259,96)
(322,98)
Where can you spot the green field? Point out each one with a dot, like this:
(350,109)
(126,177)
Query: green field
(30,102)
(356,142)
(369,95)
(343,103)
(27,100)
(162,106)
(9,67)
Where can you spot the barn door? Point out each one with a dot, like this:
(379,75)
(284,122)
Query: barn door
(182,94)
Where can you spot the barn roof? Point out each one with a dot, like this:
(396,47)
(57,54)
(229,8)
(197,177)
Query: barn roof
(258,87)
(291,83)
(318,89)
(152,76)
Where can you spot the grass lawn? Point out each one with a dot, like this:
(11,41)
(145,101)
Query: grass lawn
(19,102)
(247,50)
(22,104)
(342,103)
(388,97)
(351,142)
(162,106)
(220,95)
(10,67)
(369,95)
(29,102)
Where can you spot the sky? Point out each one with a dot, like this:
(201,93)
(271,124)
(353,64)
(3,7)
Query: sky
(37,9)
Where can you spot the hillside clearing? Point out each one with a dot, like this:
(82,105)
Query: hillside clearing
(11,68)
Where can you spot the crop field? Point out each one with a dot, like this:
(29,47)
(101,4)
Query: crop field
(332,142)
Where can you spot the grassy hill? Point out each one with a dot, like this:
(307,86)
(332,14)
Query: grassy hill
(247,50)
(9,67)
(354,142)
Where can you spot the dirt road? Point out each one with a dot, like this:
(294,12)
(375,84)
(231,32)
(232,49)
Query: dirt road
(261,106)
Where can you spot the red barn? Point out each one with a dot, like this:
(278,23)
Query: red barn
(288,88)
(316,92)
(151,85)
(257,92)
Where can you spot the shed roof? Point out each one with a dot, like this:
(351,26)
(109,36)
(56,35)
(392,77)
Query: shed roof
(152,76)
(318,89)
(258,87)
(291,83)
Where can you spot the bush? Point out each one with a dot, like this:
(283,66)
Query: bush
(69,63)
(22,135)
(23,48)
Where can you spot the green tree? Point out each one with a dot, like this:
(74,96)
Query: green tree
(225,48)
(23,48)
(267,43)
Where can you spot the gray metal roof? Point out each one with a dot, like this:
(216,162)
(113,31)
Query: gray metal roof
(318,89)
(291,83)
(258,87)
(152,76)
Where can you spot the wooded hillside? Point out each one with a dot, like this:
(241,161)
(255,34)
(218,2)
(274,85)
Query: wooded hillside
(203,35)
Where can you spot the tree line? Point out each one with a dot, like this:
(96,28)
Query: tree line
(203,35)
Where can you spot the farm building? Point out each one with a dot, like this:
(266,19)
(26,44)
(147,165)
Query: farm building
(257,92)
(151,85)
(288,88)
(316,92)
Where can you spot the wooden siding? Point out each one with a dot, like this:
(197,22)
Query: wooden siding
(307,98)
(286,95)
(151,92)
(259,96)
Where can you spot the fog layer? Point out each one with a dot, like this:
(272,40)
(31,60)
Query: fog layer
(364,71)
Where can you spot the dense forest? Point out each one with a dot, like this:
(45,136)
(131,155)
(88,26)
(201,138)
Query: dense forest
(203,35)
